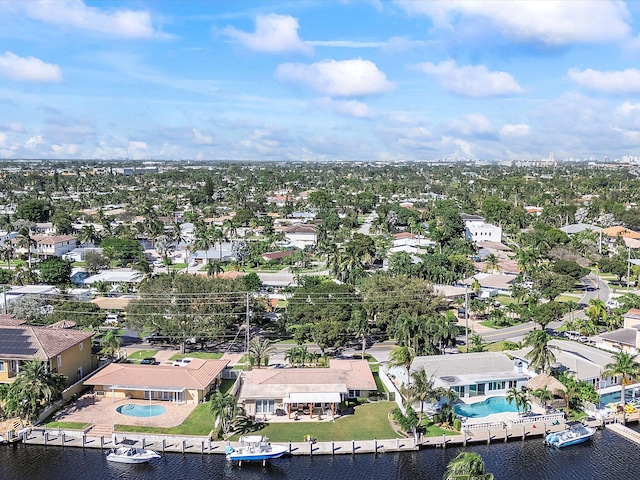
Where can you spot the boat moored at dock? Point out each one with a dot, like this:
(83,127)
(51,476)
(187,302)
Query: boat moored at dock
(576,432)
(254,448)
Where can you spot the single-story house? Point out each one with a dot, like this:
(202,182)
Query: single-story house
(626,338)
(471,374)
(305,234)
(308,391)
(115,277)
(64,351)
(217,252)
(574,358)
(187,384)
(78,254)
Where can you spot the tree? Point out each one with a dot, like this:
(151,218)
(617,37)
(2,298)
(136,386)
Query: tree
(34,210)
(543,395)
(110,343)
(477,343)
(24,240)
(252,282)
(123,250)
(360,327)
(55,271)
(551,284)
(626,366)
(597,311)
(29,308)
(540,357)
(259,351)
(224,409)
(214,268)
(421,390)
(88,234)
(33,387)
(518,397)
(94,262)
(566,267)
(402,356)
(467,466)
(7,251)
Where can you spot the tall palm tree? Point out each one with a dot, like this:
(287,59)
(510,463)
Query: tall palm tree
(260,350)
(217,236)
(544,395)
(24,240)
(214,268)
(360,327)
(518,397)
(597,311)
(421,390)
(540,357)
(492,264)
(110,343)
(224,409)
(625,365)
(7,251)
(89,234)
(467,466)
(402,356)
(204,242)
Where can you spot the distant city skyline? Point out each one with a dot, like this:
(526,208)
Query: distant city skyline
(369,80)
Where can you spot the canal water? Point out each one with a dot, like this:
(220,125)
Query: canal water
(606,456)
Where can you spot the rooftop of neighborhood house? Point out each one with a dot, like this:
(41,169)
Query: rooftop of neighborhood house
(579,227)
(633,313)
(626,336)
(113,276)
(197,374)
(24,342)
(449,370)
(341,376)
(52,239)
(622,231)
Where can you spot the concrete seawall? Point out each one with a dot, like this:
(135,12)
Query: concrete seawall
(204,445)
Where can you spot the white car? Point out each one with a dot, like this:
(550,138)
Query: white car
(182,363)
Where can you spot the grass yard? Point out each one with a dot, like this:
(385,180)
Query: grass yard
(200,422)
(204,355)
(140,354)
(432,430)
(505,299)
(370,421)
(68,425)
(568,298)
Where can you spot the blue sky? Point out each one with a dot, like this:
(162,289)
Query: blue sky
(319,80)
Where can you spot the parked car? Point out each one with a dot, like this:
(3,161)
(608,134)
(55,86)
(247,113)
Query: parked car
(112,319)
(156,338)
(182,363)
(148,361)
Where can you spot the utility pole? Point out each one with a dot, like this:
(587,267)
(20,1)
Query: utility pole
(247,332)
(466,316)
(4,298)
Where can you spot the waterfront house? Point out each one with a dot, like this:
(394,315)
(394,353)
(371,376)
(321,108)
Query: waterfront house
(305,391)
(186,384)
(63,350)
(470,374)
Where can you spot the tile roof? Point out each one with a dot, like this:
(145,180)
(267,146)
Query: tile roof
(11,320)
(198,374)
(53,239)
(25,342)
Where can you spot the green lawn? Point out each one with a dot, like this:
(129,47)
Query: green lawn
(226,385)
(205,355)
(177,266)
(432,430)
(505,299)
(68,425)
(369,421)
(568,298)
(200,422)
(140,354)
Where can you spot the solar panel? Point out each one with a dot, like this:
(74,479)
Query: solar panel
(15,341)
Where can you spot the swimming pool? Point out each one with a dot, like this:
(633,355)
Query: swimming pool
(614,397)
(133,410)
(490,406)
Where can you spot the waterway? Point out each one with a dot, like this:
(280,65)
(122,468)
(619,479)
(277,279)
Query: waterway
(606,456)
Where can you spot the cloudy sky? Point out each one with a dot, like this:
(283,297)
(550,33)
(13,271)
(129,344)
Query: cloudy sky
(319,79)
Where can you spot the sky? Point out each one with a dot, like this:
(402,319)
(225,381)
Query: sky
(368,80)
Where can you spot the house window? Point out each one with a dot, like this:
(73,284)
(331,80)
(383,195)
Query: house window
(80,374)
(59,360)
(81,346)
(513,383)
(354,393)
(2,366)
(265,406)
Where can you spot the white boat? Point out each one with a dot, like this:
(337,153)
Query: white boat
(131,455)
(575,433)
(255,448)
(2,440)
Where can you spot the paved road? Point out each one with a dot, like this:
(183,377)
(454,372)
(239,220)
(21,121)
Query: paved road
(365,228)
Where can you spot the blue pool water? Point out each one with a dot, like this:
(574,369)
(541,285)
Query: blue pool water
(133,410)
(614,397)
(488,407)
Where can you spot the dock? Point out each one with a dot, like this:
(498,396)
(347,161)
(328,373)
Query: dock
(624,432)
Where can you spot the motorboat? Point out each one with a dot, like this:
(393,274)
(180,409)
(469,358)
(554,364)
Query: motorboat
(574,433)
(2,440)
(131,455)
(255,448)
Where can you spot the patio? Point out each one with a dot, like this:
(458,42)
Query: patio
(98,410)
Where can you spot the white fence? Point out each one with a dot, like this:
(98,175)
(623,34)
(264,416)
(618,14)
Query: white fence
(484,425)
(551,418)
(392,388)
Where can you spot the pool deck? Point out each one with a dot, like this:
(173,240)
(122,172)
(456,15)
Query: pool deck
(505,417)
(101,411)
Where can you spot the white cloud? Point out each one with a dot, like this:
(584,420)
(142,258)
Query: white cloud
(201,139)
(628,108)
(471,124)
(346,44)
(130,24)
(65,150)
(3,139)
(33,142)
(550,22)
(471,80)
(515,130)
(337,78)
(274,34)
(608,81)
(353,108)
(29,69)
(137,150)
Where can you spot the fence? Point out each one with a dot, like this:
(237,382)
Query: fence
(553,417)
(394,393)
(484,425)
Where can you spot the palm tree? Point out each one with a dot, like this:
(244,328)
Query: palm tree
(110,343)
(492,264)
(543,395)
(24,240)
(224,409)
(360,327)
(467,466)
(597,311)
(214,268)
(259,351)
(6,252)
(540,357)
(89,234)
(402,356)
(625,365)
(204,242)
(33,387)
(217,236)
(518,397)
(421,390)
